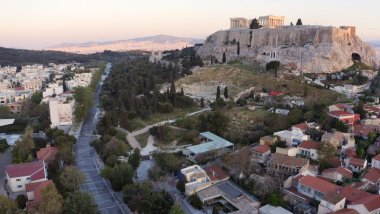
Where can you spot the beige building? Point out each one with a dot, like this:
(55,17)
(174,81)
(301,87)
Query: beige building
(271,21)
(61,111)
(239,23)
(196,179)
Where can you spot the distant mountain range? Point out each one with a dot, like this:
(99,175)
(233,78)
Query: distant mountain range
(158,42)
(376,45)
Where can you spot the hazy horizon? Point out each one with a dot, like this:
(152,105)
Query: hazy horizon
(42,23)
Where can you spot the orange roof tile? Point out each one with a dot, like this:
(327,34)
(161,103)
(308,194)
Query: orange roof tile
(262,149)
(318,184)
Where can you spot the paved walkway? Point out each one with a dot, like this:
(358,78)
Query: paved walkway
(108,201)
(131,136)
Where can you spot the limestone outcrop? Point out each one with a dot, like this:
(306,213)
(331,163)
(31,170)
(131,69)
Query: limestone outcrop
(312,49)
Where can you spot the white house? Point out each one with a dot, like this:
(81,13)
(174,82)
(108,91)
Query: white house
(260,153)
(375,163)
(356,164)
(293,137)
(314,187)
(331,202)
(196,179)
(18,175)
(369,204)
(337,174)
(309,149)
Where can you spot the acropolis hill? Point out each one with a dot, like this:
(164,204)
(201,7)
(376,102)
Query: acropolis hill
(312,49)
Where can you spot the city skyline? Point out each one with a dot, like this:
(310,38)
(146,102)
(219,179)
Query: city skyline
(40,23)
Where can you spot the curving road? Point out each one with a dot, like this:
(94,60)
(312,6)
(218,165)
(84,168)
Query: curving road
(108,201)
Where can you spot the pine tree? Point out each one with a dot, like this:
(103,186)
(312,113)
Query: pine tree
(224,59)
(172,88)
(202,102)
(238,49)
(182,92)
(218,92)
(291,24)
(255,24)
(299,22)
(225,93)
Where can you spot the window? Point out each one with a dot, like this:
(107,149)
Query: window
(18,179)
(19,186)
(28,178)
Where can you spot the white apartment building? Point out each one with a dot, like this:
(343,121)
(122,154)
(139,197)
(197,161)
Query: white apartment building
(79,80)
(52,89)
(61,111)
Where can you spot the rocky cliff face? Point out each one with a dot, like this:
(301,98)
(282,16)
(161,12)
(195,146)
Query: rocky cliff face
(307,48)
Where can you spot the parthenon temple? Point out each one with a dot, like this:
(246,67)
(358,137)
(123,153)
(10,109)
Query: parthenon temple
(271,21)
(265,21)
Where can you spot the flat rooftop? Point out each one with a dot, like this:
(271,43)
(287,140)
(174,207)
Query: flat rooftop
(215,142)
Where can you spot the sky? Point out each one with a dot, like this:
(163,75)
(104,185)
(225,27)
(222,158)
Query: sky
(36,24)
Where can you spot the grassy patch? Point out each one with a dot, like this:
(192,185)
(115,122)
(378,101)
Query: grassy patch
(136,124)
(143,139)
(177,113)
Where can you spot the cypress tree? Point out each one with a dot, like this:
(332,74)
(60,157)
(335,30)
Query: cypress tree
(218,92)
(202,102)
(225,92)
(224,59)
(299,22)
(238,49)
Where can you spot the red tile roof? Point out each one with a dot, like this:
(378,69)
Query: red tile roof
(302,126)
(356,162)
(350,152)
(276,93)
(318,184)
(346,211)
(285,160)
(309,145)
(371,108)
(262,149)
(341,106)
(37,189)
(377,157)
(371,202)
(341,113)
(336,162)
(36,170)
(373,175)
(216,173)
(353,194)
(341,170)
(47,154)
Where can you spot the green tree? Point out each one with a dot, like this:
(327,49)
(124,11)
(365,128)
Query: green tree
(37,97)
(225,93)
(7,206)
(84,101)
(299,22)
(202,102)
(224,59)
(238,49)
(21,201)
(218,92)
(172,88)
(273,65)
(291,24)
(120,175)
(71,179)
(295,116)
(216,122)
(51,201)
(79,202)
(135,159)
(326,153)
(254,24)
(23,149)
(3,145)
(275,199)
(195,201)
(176,209)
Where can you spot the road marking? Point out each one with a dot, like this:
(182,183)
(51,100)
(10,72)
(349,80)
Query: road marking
(106,208)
